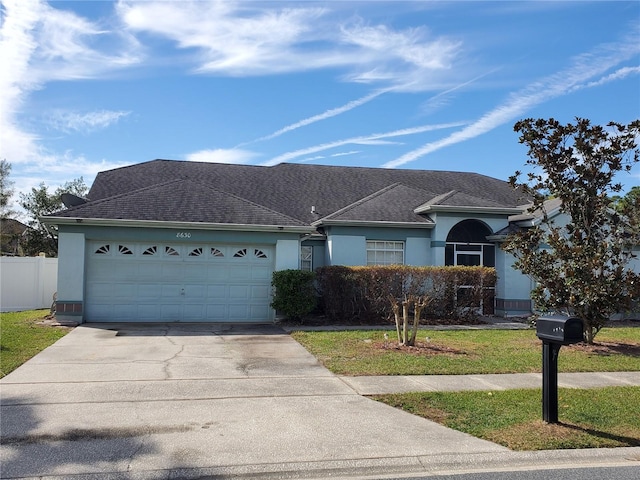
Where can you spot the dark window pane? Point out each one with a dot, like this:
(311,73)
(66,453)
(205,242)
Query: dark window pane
(489,255)
(468,260)
(448,255)
(469,231)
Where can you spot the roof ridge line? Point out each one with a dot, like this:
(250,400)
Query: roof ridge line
(124,194)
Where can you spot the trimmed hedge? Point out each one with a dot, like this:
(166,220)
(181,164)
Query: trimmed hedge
(362,293)
(293,292)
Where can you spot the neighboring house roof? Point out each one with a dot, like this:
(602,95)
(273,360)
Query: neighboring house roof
(283,195)
(528,218)
(10,232)
(550,207)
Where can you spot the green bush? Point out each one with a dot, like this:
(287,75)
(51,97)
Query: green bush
(294,293)
(362,293)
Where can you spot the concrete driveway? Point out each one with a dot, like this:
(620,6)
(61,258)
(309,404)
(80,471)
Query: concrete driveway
(201,401)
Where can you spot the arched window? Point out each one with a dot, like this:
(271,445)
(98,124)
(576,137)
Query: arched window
(467,245)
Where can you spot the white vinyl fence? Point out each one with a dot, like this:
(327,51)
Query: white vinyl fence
(27,283)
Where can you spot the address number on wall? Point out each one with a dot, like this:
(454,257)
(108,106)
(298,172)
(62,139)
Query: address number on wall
(183,235)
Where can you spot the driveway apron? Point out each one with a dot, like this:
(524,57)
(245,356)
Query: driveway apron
(197,400)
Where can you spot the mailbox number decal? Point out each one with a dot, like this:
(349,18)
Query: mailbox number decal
(183,235)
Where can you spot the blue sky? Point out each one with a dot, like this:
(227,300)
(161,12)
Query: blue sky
(91,85)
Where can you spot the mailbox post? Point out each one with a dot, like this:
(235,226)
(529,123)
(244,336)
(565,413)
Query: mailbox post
(554,331)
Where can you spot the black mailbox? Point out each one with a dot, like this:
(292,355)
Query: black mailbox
(559,329)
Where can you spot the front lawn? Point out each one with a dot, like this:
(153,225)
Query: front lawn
(21,337)
(457,352)
(594,418)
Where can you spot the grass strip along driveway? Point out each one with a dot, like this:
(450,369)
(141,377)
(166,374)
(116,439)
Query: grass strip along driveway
(21,337)
(593,418)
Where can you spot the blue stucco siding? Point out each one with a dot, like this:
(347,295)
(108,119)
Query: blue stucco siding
(348,245)
(177,235)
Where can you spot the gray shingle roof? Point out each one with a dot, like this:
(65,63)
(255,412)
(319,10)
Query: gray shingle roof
(166,190)
(394,203)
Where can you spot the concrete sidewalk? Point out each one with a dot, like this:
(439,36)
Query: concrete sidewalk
(371,385)
(167,401)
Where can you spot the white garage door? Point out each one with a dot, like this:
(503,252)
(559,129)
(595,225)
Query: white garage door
(161,282)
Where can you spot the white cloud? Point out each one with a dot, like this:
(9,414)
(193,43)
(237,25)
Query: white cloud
(55,170)
(84,122)
(322,116)
(344,154)
(362,140)
(235,155)
(583,68)
(254,38)
(617,75)
(39,44)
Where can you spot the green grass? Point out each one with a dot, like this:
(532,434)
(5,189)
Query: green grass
(21,338)
(467,352)
(594,418)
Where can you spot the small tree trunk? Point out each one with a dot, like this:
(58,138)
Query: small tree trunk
(405,322)
(419,305)
(396,314)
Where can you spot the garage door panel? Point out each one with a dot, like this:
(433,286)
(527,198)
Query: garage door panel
(216,292)
(100,290)
(257,311)
(193,312)
(171,291)
(218,273)
(148,313)
(238,313)
(196,273)
(125,311)
(125,291)
(147,291)
(261,273)
(144,282)
(240,272)
(149,271)
(170,312)
(260,293)
(198,292)
(239,292)
(217,312)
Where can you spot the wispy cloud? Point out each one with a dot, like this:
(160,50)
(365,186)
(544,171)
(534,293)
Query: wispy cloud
(235,155)
(39,44)
(617,75)
(254,38)
(65,121)
(361,140)
(442,98)
(583,68)
(322,116)
(344,154)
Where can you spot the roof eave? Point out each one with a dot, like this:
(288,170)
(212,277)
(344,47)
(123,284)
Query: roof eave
(112,222)
(367,223)
(467,209)
(496,238)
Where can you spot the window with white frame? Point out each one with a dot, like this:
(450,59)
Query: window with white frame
(467,245)
(306,258)
(384,252)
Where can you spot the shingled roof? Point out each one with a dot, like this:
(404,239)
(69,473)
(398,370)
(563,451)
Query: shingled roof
(282,195)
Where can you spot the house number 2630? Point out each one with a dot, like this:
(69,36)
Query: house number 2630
(183,235)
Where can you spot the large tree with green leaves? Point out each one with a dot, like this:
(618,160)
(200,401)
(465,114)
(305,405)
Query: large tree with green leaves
(6,190)
(39,202)
(580,258)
